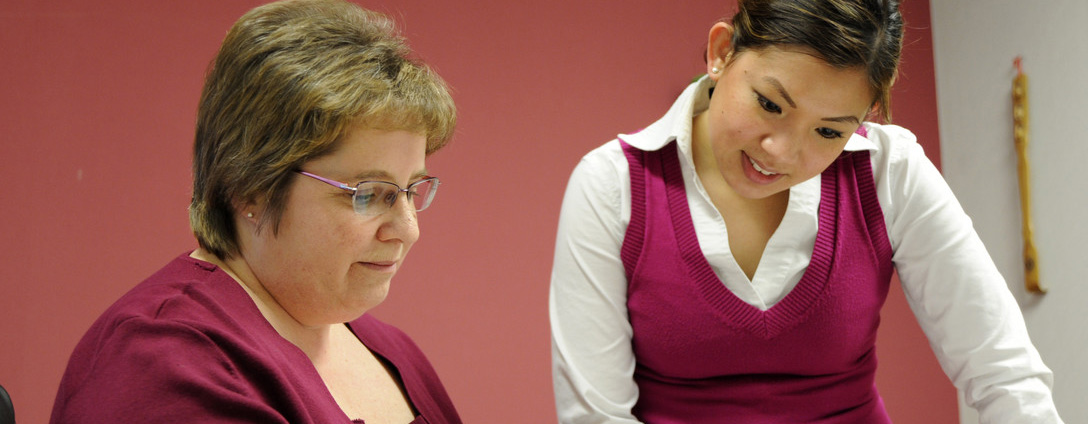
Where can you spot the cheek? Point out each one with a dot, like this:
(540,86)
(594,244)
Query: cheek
(821,157)
(736,121)
(348,236)
(319,237)
(734,133)
(322,253)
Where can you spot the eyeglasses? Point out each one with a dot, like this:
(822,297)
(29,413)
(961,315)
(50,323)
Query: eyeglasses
(373,198)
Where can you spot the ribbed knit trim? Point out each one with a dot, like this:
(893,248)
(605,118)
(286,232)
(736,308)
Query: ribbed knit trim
(797,304)
(870,205)
(793,308)
(635,235)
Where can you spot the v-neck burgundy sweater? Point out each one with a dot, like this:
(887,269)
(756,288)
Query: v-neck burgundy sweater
(188,345)
(705,356)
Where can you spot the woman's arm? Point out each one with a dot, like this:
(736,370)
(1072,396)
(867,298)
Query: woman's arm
(961,301)
(592,359)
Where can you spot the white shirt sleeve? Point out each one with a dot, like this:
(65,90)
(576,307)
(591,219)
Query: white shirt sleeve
(959,298)
(592,360)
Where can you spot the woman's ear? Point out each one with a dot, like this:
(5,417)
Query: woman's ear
(719,49)
(873,114)
(248,211)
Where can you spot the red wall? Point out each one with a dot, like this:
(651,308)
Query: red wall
(97,104)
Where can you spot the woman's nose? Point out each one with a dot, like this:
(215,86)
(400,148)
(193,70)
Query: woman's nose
(781,146)
(400,222)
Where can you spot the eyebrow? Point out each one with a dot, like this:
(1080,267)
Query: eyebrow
(782,92)
(844,119)
(385,176)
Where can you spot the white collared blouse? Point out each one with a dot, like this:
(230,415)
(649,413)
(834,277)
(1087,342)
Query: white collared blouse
(960,300)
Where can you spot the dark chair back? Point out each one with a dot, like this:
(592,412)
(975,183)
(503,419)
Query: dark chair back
(7,411)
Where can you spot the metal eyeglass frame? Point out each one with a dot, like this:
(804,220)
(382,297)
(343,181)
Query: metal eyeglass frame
(408,194)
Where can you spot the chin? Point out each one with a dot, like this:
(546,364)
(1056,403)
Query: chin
(371,299)
(352,313)
(745,190)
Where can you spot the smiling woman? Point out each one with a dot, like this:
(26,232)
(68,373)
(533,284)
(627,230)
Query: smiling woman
(266,322)
(770,137)
(732,258)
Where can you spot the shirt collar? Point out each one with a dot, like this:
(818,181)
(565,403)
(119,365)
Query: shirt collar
(858,143)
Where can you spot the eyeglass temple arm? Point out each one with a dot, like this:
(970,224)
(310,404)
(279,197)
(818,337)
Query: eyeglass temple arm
(328,181)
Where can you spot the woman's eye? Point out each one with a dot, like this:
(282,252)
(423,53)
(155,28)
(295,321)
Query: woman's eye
(768,105)
(364,198)
(828,133)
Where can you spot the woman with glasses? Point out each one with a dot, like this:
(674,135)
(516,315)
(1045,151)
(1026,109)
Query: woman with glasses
(728,262)
(308,175)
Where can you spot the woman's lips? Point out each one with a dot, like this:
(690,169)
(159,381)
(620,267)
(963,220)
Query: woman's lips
(381,266)
(756,173)
(759,168)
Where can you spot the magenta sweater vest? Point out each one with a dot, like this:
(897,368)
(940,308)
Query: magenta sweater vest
(705,356)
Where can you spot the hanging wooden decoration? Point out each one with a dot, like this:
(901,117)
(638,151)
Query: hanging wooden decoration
(1020,137)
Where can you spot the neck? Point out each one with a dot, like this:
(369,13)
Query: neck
(701,152)
(311,339)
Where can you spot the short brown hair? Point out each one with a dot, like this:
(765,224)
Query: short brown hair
(291,78)
(844,33)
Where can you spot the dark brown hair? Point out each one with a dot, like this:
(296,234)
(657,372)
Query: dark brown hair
(844,33)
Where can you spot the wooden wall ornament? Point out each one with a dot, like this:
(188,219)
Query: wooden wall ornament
(1020,118)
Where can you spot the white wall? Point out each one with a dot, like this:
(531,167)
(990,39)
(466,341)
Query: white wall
(974,45)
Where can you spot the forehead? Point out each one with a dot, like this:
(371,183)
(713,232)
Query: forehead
(799,59)
(365,153)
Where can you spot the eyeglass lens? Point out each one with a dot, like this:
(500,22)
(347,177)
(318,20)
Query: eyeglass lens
(376,197)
